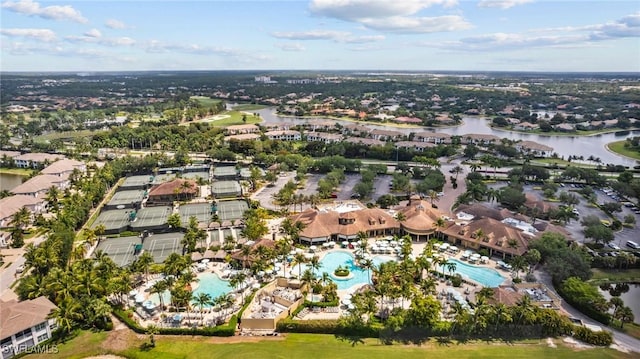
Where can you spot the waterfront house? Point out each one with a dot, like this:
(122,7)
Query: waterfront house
(12,204)
(25,324)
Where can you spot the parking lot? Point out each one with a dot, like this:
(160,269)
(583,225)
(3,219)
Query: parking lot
(265,194)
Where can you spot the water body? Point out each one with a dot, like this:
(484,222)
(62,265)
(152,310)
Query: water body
(563,145)
(630,297)
(9,181)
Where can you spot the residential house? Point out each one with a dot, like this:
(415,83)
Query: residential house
(386,135)
(405,119)
(365,141)
(39,185)
(35,160)
(534,148)
(479,139)
(25,324)
(526,126)
(64,167)
(278,126)
(12,204)
(433,137)
(565,127)
(414,145)
(323,137)
(284,135)
(242,129)
(242,137)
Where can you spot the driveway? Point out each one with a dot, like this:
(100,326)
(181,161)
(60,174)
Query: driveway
(345,189)
(265,194)
(8,274)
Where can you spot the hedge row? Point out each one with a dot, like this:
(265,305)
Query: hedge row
(586,309)
(602,338)
(326,327)
(227,330)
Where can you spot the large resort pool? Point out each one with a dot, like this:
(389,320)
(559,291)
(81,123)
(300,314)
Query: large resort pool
(332,260)
(487,277)
(213,285)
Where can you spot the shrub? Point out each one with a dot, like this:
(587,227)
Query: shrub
(586,335)
(227,330)
(456,280)
(327,327)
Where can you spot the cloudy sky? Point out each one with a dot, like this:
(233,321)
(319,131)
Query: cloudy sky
(509,35)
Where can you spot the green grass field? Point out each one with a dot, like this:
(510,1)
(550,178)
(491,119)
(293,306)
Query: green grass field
(16,171)
(311,346)
(65,135)
(613,275)
(235,118)
(205,101)
(248,107)
(618,147)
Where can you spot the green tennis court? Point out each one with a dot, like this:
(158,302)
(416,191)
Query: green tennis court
(126,199)
(136,182)
(229,210)
(161,245)
(114,221)
(226,189)
(120,250)
(195,175)
(202,211)
(151,218)
(225,172)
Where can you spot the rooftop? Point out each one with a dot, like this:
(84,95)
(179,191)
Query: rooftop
(18,316)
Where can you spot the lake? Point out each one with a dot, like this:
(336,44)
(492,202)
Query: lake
(9,181)
(563,145)
(631,297)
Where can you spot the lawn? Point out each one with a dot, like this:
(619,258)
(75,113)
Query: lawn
(249,107)
(205,101)
(618,147)
(17,171)
(234,118)
(313,346)
(65,135)
(613,275)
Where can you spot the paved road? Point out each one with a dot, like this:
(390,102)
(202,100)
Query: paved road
(8,274)
(265,194)
(620,338)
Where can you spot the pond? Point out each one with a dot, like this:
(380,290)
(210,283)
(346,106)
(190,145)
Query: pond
(628,292)
(563,145)
(9,181)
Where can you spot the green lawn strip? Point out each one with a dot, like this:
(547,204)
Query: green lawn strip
(618,147)
(206,101)
(249,107)
(234,119)
(85,344)
(65,134)
(612,275)
(311,346)
(16,171)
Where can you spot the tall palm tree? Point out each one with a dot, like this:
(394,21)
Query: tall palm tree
(237,280)
(159,288)
(314,264)
(438,225)
(144,262)
(67,314)
(367,264)
(52,197)
(451,267)
(299,259)
(202,300)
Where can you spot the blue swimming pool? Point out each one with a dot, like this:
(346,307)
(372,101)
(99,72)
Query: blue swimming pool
(211,284)
(488,277)
(332,260)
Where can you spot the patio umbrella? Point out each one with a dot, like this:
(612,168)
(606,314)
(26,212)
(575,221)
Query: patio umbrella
(313,248)
(139,298)
(133,293)
(346,301)
(205,261)
(484,258)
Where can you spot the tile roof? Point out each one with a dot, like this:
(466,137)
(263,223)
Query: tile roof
(420,217)
(496,235)
(325,224)
(61,166)
(12,204)
(37,184)
(18,316)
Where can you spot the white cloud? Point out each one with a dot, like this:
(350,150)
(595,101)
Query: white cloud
(44,35)
(392,16)
(104,41)
(355,10)
(418,24)
(53,12)
(248,57)
(93,33)
(294,47)
(115,24)
(502,4)
(336,36)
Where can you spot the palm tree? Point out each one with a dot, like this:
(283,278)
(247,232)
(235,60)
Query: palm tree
(202,300)
(367,264)
(314,263)
(363,241)
(53,193)
(19,221)
(299,259)
(67,315)
(438,225)
(451,267)
(433,196)
(237,280)
(624,315)
(457,170)
(159,288)
(517,264)
(144,262)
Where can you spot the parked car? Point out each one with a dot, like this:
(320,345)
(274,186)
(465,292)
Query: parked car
(613,246)
(20,268)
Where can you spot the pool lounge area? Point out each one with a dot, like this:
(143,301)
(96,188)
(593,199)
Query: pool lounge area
(487,277)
